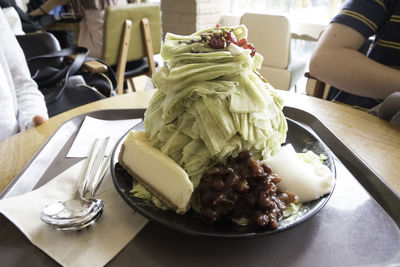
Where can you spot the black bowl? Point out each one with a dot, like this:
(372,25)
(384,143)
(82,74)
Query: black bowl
(190,223)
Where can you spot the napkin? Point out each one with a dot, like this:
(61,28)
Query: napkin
(92,246)
(93,128)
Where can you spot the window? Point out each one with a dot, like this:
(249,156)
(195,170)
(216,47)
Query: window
(307,11)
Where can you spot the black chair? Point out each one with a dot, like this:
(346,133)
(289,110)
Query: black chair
(37,44)
(64,76)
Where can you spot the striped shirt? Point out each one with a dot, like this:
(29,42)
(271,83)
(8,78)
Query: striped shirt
(379,18)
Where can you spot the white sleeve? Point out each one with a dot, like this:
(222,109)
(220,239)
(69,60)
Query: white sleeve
(13,20)
(30,101)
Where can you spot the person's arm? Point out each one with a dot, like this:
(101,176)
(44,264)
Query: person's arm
(47,6)
(337,61)
(31,107)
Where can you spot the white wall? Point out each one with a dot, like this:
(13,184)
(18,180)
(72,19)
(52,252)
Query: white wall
(188,16)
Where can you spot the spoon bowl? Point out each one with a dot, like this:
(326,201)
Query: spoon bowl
(80,225)
(70,212)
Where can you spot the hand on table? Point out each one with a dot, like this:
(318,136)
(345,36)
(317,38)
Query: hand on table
(37,120)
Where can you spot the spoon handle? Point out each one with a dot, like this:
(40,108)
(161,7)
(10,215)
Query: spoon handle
(95,177)
(104,168)
(83,180)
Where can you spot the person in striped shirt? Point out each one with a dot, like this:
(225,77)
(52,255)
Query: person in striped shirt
(364,79)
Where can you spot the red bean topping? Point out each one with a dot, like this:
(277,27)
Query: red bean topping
(261,218)
(243,188)
(232,180)
(284,197)
(275,178)
(217,184)
(217,41)
(266,168)
(209,215)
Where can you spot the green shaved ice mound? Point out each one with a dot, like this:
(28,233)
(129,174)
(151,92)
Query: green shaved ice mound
(211,104)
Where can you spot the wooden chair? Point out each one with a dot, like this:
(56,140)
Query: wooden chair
(132,34)
(315,87)
(271,36)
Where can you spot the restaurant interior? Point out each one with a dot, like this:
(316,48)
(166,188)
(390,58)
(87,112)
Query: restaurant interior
(163,145)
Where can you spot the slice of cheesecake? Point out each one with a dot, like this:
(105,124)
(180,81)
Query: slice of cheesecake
(156,171)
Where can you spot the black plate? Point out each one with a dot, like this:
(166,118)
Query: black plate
(190,223)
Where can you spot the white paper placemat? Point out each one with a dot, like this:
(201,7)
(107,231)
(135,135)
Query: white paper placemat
(93,128)
(93,246)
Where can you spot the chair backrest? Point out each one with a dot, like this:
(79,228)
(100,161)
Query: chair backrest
(35,44)
(270,34)
(114,21)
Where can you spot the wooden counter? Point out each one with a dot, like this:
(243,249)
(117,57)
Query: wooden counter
(376,141)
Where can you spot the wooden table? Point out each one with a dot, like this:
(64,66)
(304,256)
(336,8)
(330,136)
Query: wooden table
(376,141)
(63,26)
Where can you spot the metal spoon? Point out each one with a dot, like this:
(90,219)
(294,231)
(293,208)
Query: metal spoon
(80,211)
(85,221)
(81,225)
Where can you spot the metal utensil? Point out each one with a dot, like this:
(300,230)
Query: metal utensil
(83,209)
